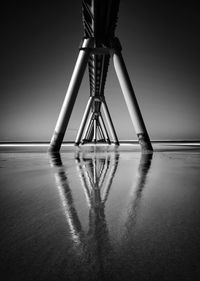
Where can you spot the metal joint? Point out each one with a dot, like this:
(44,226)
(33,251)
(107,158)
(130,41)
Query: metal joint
(116,45)
(86,43)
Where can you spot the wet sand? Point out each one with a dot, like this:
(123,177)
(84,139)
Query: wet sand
(100,213)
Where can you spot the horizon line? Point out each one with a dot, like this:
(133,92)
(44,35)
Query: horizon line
(122,142)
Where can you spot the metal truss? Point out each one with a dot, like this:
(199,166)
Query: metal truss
(98,46)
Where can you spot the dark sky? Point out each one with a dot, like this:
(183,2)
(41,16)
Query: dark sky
(39,47)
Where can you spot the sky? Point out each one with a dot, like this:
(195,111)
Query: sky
(39,47)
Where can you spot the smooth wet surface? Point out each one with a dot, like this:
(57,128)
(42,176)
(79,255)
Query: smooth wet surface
(100,214)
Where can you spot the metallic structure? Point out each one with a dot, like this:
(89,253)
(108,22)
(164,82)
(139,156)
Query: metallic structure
(98,46)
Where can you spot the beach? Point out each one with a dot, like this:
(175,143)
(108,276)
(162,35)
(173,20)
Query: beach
(99,213)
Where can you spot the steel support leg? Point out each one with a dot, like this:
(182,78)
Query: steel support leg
(95,130)
(90,133)
(71,95)
(98,130)
(110,123)
(101,134)
(131,101)
(85,132)
(83,122)
(105,132)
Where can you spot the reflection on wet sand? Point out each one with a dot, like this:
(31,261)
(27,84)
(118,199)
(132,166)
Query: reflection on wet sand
(143,169)
(110,216)
(94,249)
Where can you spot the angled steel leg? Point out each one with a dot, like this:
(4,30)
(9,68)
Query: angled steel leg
(71,95)
(83,122)
(131,101)
(85,132)
(110,123)
(101,133)
(95,130)
(90,133)
(105,132)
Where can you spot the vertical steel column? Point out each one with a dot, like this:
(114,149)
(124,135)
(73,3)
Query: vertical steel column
(83,122)
(131,101)
(109,121)
(71,95)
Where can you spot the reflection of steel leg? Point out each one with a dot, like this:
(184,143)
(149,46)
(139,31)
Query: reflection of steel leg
(105,132)
(95,169)
(66,198)
(83,122)
(94,162)
(111,177)
(104,172)
(143,169)
(89,175)
(131,101)
(83,180)
(70,97)
(102,164)
(110,123)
